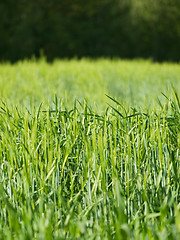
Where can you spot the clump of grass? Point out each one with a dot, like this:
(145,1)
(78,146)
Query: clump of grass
(77,174)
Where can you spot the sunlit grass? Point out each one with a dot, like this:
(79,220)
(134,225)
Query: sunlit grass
(133,82)
(70,169)
(72,173)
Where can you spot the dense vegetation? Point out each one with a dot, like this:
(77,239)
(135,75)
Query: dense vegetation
(139,82)
(75,170)
(69,28)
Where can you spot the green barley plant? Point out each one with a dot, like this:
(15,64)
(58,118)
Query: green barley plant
(76,174)
(72,169)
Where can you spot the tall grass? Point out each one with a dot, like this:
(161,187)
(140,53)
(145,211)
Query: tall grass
(77,174)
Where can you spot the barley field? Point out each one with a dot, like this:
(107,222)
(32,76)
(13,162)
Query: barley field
(89,149)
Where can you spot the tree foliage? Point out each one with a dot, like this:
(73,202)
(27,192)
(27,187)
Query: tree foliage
(68,28)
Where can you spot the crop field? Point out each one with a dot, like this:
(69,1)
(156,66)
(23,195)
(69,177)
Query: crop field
(90,149)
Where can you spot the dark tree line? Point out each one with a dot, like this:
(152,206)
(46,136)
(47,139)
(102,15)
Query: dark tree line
(91,28)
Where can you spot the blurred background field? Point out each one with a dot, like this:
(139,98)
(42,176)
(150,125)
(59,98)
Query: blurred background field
(79,46)
(139,82)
